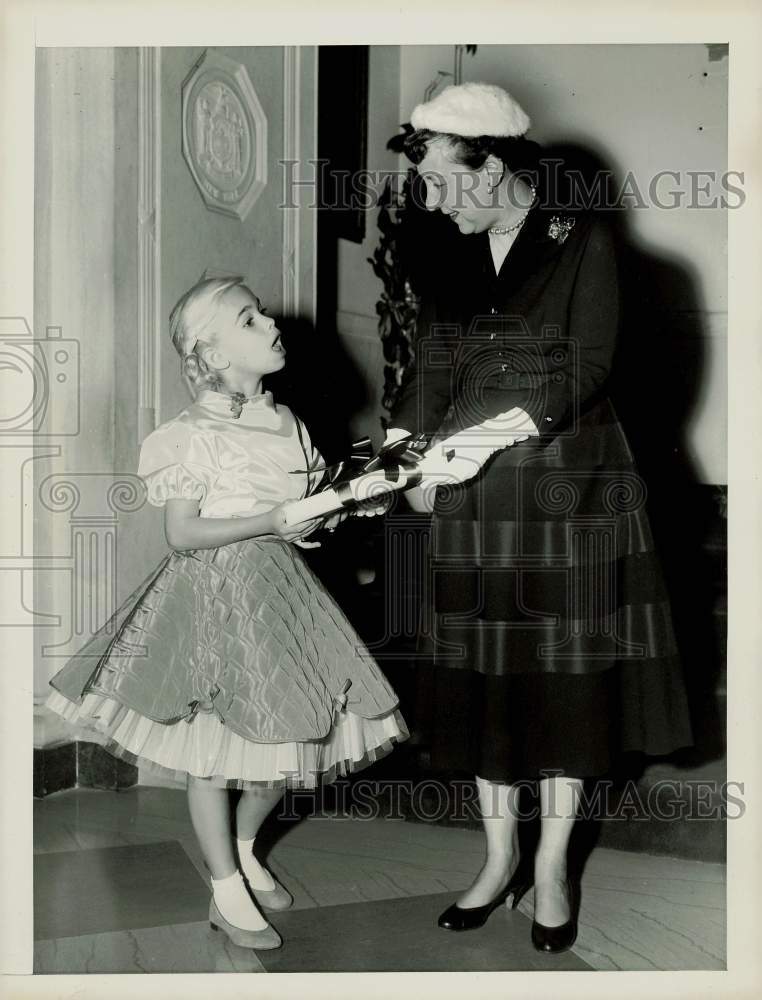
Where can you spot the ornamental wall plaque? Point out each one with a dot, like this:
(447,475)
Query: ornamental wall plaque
(224,135)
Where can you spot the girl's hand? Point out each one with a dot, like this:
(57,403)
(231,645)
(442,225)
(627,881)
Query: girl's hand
(295,533)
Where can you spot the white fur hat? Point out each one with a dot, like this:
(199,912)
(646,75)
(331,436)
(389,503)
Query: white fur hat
(471,109)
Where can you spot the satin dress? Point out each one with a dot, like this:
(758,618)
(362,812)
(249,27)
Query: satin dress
(232,663)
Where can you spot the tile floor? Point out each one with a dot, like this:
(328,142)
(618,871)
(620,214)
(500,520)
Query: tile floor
(120,886)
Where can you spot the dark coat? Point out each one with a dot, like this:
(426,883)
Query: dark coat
(540,335)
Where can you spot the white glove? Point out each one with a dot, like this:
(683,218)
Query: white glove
(395,434)
(460,457)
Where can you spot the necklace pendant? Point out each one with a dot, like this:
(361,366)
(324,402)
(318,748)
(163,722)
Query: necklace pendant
(237,399)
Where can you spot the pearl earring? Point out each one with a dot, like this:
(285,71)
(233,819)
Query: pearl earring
(497,182)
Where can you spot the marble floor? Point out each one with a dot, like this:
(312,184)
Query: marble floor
(134,855)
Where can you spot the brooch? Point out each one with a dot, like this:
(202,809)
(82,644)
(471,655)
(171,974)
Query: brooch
(560,227)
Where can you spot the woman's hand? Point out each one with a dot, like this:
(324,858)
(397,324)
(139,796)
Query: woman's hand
(461,456)
(374,507)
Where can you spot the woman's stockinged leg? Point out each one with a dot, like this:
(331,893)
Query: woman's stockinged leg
(559,802)
(499,808)
(210,815)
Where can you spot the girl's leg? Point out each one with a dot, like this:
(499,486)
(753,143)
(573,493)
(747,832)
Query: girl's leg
(499,809)
(559,802)
(210,815)
(252,810)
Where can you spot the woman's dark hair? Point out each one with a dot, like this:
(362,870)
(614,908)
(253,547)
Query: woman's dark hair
(556,172)
(519,154)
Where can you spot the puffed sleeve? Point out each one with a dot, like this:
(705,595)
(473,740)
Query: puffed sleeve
(177,463)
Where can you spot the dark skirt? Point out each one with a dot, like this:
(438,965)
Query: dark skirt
(546,621)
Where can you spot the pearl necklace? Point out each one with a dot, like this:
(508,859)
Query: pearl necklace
(504,230)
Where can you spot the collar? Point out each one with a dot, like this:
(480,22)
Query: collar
(541,237)
(234,402)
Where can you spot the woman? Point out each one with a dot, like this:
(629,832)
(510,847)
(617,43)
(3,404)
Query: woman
(550,638)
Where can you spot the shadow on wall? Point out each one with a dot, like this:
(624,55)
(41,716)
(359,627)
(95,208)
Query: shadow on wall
(323,386)
(656,380)
(320,383)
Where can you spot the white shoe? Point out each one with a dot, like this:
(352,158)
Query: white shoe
(241,920)
(277,898)
(264,940)
(267,890)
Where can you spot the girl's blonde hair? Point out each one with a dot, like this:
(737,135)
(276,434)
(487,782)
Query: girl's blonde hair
(190,326)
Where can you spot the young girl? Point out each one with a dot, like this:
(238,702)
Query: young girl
(231,665)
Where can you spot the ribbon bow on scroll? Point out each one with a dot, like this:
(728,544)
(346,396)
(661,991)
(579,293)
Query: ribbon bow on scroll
(361,452)
(394,459)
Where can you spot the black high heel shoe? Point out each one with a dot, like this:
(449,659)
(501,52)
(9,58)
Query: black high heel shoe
(563,936)
(458,918)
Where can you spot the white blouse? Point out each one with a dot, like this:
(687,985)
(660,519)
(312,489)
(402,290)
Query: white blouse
(499,245)
(234,467)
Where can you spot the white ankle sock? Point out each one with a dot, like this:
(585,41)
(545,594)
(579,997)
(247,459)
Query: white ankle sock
(258,877)
(236,905)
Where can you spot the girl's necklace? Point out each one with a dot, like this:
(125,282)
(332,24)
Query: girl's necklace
(237,399)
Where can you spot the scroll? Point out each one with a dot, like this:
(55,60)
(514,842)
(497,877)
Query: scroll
(404,464)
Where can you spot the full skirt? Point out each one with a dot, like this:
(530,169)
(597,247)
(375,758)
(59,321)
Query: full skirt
(234,665)
(546,628)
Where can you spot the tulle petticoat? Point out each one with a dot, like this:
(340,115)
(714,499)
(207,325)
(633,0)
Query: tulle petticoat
(206,748)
